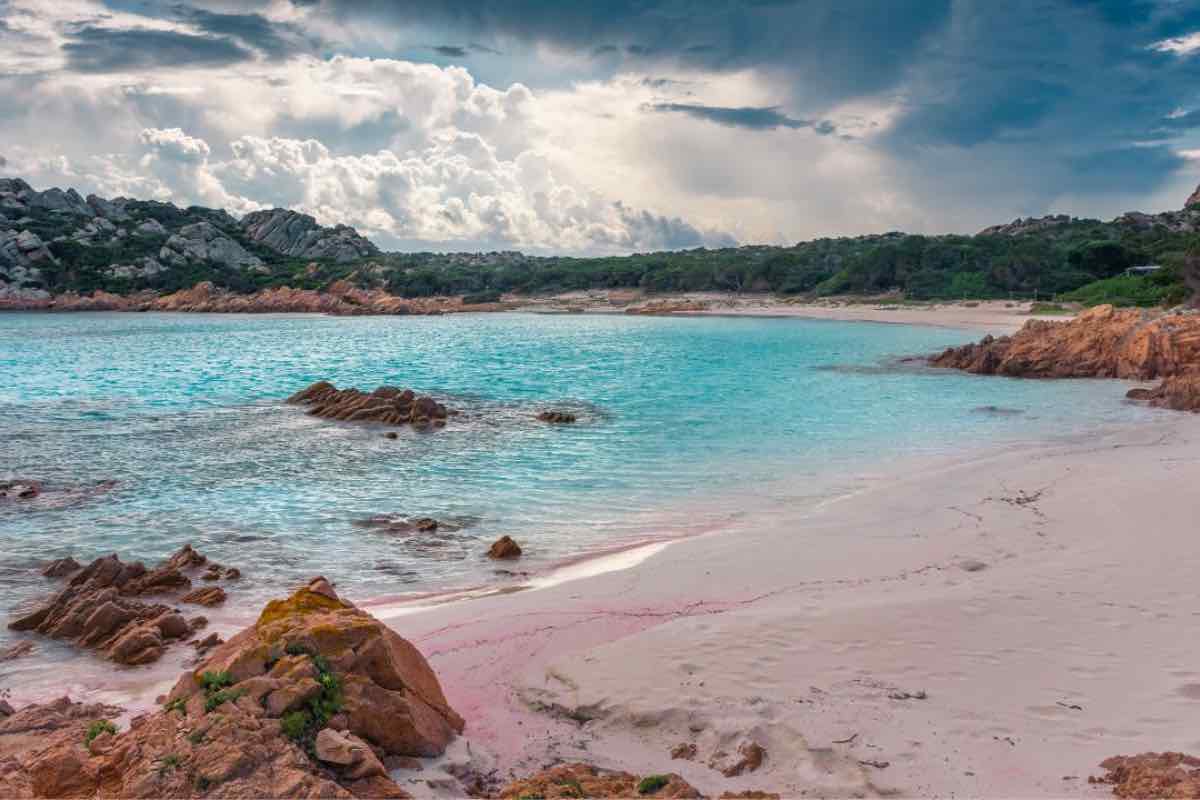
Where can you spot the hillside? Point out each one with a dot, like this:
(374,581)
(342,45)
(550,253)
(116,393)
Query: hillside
(56,241)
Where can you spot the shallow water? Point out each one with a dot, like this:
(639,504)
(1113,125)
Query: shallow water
(684,423)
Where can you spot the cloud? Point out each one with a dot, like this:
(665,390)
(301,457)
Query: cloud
(1179,45)
(450,51)
(755,118)
(274,40)
(95,49)
(176,145)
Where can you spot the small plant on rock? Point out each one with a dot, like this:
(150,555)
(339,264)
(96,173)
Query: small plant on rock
(178,704)
(168,763)
(652,783)
(215,681)
(96,728)
(217,699)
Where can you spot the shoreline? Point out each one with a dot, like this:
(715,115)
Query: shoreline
(994,316)
(653,652)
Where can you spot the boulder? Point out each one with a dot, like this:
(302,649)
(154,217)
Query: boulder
(100,607)
(324,653)
(206,596)
(387,405)
(1152,775)
(503,548)
(585,780)
(61,568)
(299,236)
(1176,392)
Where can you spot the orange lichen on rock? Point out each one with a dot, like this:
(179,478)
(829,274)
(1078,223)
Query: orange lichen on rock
(1152,775)
(584,780)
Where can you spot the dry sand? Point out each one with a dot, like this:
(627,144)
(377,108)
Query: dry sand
(1044,600)
(994,316)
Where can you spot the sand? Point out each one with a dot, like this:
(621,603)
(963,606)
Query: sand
(993,316)
(1044,599)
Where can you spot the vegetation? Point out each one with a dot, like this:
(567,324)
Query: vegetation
(215,681)
(302,726)
(96,728)
(217,699)
(1067,260)
(652,783)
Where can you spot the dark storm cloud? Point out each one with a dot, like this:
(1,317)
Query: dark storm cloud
(450,51)
(842,47)
(1126,169)
(93,49)
(272,39)
(755,118)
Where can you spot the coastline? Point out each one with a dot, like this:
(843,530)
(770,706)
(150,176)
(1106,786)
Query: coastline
(793,631)
(706,641)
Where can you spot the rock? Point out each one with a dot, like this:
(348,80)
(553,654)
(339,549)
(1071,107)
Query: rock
(557,417)
(387,405)
(584,780)
(150,227)
(205,242)
(1194,199)
(61,568)
(504,547)
(207,596)
(100,609)
(390,697)
(342,749)
(750,756)
(299,236)
(1102,342)
(684,750)
(1177,392)
(16,650)
(20,489)
(1152,775)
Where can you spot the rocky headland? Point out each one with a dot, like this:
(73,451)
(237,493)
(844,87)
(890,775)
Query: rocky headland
(1102,342)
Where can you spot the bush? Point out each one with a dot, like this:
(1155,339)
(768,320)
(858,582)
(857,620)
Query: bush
(478,298)
(652,783)
(1126,290)
(214,681)
(295,725)
(98,727)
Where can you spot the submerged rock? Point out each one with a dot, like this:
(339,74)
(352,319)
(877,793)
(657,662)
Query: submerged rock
(504,547)
(100,607)
(19,489)
(387,405)
(557,417)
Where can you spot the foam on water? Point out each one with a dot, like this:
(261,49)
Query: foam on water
(685,424)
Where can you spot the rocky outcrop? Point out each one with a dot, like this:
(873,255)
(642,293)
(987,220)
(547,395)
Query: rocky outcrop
(299,236)
(1193,199)
(203,241)
(1020,227)
(308,702)
(1152,775)
(1102,342)
(504,548)
(1178,393)
(386,405)
(101,607)
(585,780)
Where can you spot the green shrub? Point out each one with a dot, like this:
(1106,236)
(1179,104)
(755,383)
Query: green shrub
(652,783)
(217,699)
(295,725)
(98,727)
(1125,290)
(214,681)
(178,704)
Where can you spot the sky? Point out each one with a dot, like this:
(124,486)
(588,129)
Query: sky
(610,126)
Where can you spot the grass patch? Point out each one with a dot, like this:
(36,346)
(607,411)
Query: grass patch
(1131,290)
(96,728)
(217,699)
(178,704)
(169,763)
(652,783)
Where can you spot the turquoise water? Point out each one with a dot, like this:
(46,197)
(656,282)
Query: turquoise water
(684,423)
